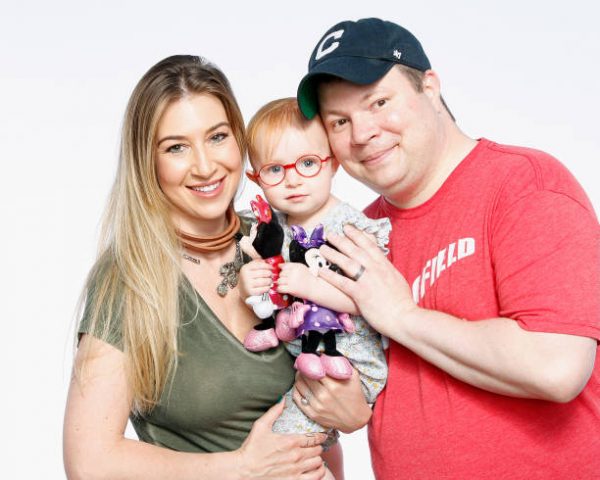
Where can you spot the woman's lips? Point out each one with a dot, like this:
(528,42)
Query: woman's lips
(211,189)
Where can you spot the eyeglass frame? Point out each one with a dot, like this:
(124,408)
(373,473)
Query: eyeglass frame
(255,177)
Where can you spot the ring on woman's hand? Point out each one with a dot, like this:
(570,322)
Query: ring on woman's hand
(358,274)
(305,400)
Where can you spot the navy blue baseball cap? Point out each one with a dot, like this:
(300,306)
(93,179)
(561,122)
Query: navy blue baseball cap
(359,52)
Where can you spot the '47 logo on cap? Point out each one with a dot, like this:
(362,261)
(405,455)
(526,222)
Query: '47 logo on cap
(321,51)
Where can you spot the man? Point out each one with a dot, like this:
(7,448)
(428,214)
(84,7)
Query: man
(491,294)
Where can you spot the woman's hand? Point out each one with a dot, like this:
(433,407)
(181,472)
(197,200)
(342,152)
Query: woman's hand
(267,455)
(338,404)
(255,278)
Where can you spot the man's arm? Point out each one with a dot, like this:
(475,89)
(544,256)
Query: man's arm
(493,354)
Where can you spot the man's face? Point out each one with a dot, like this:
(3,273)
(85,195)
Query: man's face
(385,134)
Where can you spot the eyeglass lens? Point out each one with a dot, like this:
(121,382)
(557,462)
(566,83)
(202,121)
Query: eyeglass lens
(307,166)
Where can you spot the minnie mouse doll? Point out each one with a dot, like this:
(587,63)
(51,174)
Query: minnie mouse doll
(265,241)
(311,322)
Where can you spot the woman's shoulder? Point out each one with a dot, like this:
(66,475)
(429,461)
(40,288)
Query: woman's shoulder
(101,315)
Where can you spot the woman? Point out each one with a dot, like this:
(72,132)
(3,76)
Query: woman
(160,341)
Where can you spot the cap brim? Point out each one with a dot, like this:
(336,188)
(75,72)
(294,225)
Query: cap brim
(359,70)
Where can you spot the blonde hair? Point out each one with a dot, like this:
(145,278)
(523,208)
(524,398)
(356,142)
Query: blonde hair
(137,275)
(267,125)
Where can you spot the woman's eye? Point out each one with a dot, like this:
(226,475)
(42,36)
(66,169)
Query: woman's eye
(274,169)
(218,137)
(339,123)
(309,162)
(381,102)
(177,148)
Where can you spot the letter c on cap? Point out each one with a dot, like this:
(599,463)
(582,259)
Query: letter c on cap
(320,52)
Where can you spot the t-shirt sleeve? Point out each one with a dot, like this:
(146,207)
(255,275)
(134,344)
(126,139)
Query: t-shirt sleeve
(545,251)
(108,325)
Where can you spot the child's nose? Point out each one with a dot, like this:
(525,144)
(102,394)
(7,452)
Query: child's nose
(292,177)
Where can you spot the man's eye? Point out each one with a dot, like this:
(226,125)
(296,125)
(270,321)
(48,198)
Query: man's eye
(340,122)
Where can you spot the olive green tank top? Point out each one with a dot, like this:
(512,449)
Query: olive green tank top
(218,389)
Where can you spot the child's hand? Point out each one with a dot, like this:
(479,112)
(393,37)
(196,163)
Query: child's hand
(295,279)
(255,278)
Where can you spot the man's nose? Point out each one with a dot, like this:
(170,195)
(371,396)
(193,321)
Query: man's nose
(363,129)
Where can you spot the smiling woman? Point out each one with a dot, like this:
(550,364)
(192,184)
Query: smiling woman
(160,336)
(199,163)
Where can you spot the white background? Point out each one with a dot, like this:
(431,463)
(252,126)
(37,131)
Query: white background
(518,72)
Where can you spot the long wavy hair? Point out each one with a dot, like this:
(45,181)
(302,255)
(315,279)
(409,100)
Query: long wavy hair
(135,280)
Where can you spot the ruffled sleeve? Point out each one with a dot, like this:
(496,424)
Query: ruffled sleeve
(345,214)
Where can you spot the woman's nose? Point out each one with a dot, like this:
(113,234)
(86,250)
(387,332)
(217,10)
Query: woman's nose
(203,165)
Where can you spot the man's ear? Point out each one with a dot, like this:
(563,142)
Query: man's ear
(432,88)
(431,84)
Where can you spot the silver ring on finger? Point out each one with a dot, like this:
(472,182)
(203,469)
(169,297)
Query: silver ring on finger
(358,274)
(305,400)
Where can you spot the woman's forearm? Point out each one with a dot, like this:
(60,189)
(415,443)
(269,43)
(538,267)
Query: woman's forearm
(131,459)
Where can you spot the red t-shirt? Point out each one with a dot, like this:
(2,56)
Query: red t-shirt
(509,234)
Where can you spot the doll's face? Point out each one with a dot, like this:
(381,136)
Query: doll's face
(315,260)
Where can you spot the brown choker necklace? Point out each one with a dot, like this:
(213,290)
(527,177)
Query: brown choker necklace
(228,271)
(212,243)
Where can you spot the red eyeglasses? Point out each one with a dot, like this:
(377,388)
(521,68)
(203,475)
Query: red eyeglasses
(273,173)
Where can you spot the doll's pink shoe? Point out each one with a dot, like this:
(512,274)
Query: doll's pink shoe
(336,367)
(289,319)
(309,365)
(297,312)
(259,340)
(284,331)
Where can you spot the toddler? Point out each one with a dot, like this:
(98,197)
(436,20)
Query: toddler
(293,165)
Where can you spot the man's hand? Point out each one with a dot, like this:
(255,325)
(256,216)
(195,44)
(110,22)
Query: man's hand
(380,292)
